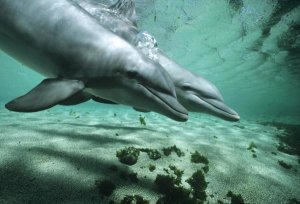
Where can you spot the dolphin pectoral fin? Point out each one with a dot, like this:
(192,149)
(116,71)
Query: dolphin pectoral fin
(102,100)
(77,98)
(126,8)
(141,110)
(47,94)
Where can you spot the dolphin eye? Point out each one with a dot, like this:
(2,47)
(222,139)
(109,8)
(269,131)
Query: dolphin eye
(186,87)
(131,74)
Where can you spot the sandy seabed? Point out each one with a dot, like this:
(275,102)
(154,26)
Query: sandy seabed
(55,156)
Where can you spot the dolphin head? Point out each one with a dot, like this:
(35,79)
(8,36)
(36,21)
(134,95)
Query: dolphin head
(200,95)
(144,85)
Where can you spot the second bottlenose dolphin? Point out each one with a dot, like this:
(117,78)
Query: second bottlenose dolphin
(63,42)
(193,91)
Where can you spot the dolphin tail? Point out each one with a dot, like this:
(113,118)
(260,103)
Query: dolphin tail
(47,94)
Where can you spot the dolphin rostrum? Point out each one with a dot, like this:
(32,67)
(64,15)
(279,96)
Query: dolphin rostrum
(194,92)
(81,59)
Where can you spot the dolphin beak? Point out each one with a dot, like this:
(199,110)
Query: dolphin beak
(213,107)
(222,110)
(159,84)
(171,107)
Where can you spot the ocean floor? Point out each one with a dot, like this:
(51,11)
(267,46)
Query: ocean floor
(61,156)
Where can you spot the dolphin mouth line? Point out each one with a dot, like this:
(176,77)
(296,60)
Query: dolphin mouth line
(216,107)
(161,100)
(234,116)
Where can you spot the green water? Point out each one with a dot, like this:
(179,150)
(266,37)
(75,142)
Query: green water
(248,49)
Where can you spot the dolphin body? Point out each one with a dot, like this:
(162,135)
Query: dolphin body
(194,92)
(83,60)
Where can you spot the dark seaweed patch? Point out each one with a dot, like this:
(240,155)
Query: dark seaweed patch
(105,187)
(166,185)
(205,169)
(290,139)
(142,120)
(198,185)
(114,168)
(128,156)
(134,199)
(235,198)
(168,150)
(282,8)
(170,186)
(236,4)
(152,167)
(284,165)
(294,201)
(153,154)
(127,175)
(196,157)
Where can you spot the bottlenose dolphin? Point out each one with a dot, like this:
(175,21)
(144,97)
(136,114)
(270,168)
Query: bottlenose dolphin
(194,92)
(82,59)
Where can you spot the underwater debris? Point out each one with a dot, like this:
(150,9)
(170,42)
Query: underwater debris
(72,112)
(115,114)
(152,153)
(152,167)
(105,187)
(240,126)
(134,199)
(252,146)
(274,153)
(198,185)
(284,165)
(235,198)
(168,150)
(196,157)
(117,134)
(128,156)
(142,120)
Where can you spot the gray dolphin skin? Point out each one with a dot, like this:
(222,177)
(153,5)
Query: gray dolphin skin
(194,92)
(81,59)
